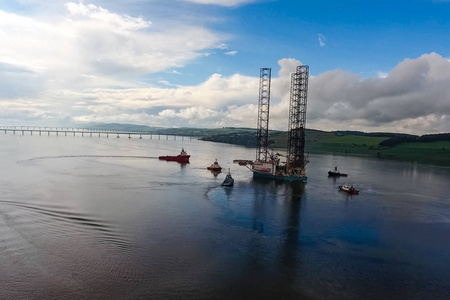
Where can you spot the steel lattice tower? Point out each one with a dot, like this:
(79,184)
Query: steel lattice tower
(262,133)
(295,164)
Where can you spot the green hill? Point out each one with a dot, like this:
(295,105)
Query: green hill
(427,149)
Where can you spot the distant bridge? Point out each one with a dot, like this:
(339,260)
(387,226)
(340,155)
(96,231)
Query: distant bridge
(88,132)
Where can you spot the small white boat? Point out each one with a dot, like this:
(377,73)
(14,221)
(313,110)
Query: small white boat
(348,188)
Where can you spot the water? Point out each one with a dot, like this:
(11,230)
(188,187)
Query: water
(103,218)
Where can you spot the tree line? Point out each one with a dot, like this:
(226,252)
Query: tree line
(427,138)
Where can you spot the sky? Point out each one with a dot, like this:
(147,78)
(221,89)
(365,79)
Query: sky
(375,66)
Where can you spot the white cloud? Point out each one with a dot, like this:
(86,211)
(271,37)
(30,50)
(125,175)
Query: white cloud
(165,82)
(232,53)
(321,39)
(102,16)
(382,74)
(93,47)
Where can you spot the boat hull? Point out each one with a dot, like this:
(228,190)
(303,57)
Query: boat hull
(214,169)
(348,191)
(336,174)
(228,183)
(178,158)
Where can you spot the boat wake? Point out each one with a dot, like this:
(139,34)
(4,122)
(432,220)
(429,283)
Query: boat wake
(427,196)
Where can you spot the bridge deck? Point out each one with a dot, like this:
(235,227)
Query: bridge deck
(82,132)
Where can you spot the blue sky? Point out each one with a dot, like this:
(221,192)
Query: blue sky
(363,37)
(374,65)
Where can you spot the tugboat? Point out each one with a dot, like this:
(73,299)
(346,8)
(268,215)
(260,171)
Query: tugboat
(183,157)
(336,173)
(215,167)
(229,181)
(349,189)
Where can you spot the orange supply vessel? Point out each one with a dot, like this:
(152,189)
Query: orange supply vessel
(183,157)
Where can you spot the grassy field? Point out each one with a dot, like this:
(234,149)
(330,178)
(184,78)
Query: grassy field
(328,142)
(433,153)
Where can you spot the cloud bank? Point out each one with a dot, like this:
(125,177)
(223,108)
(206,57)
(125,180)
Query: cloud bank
(413,97)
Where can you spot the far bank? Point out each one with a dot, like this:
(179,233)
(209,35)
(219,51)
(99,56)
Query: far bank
(435,150)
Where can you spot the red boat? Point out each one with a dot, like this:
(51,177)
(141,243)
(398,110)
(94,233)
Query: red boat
(348,188)
(215,166)
(183,157)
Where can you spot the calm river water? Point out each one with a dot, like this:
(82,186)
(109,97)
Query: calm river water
(103,218)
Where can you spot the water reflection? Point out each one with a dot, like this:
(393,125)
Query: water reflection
(271,266)
(289,253)
(258,215)
(228,192)
(333,179)
(215,172)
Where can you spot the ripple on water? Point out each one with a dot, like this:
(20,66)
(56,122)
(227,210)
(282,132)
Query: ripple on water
(60,245)
(60,223)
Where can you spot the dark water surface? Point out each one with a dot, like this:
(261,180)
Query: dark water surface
(103,218)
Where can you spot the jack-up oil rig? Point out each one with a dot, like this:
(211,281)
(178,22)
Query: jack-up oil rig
(267,165)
